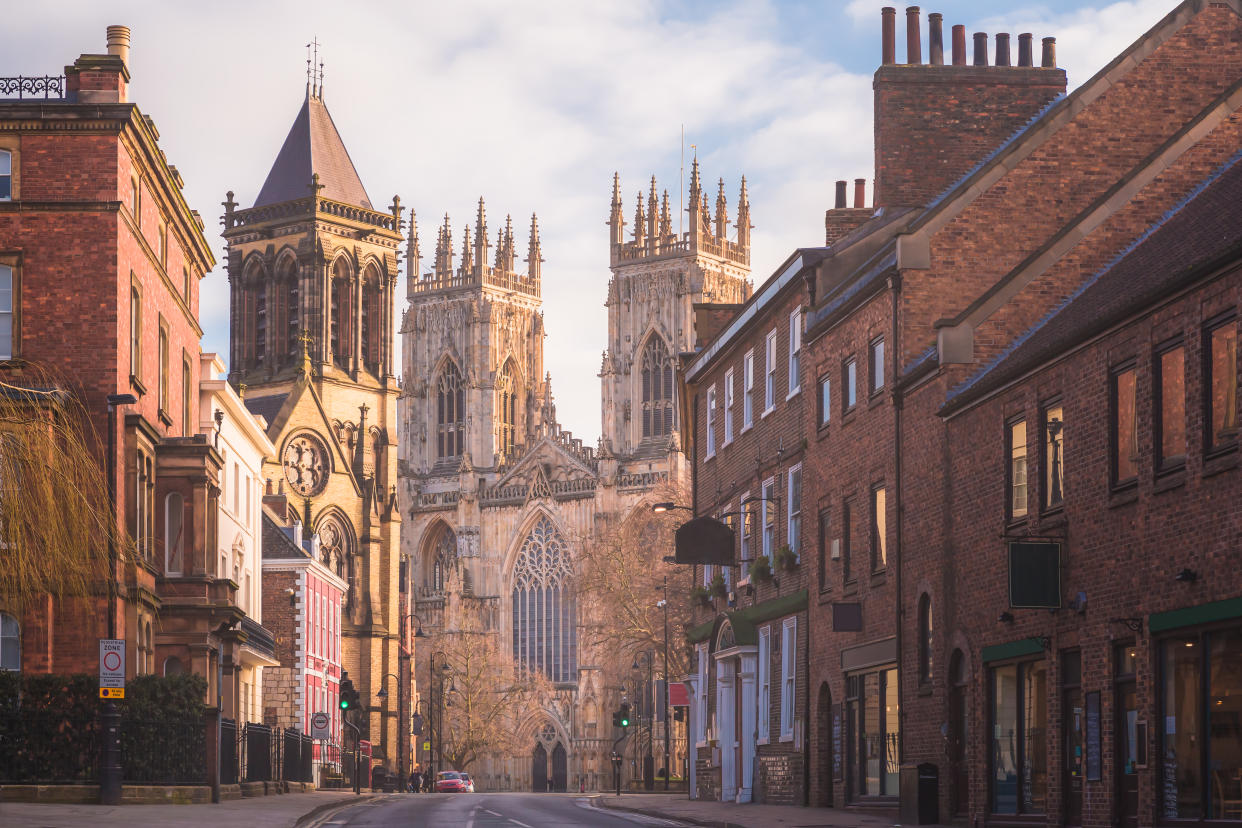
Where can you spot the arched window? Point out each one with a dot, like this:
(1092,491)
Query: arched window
(287,319)
(657,389)
(451,412)
(260,323)
(925,638)
(172,666)
(342,326)
(174,540)
(544,621)
(508,390)
(443,553)
(335,544)
(372,321)
(10,643)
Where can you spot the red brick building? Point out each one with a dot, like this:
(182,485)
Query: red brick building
(1001,200)
(102,258)
(746,390)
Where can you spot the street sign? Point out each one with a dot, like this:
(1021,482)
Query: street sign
(426,745)
(111,692)
(321,726)
(111,664)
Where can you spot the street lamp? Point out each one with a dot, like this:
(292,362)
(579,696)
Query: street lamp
(402,732)
(648,776)
(438,729)
(383,694)
(668,766)
(667,506)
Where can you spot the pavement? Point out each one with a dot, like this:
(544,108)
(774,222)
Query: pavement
(731,815)
(283,811)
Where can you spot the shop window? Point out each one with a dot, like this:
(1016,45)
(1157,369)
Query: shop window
(1202,733)
(1124,434)
(872,716)
(1171,407)
(1017,469)
(10,643)
(1019,712)
(1221,383)
(1054,456)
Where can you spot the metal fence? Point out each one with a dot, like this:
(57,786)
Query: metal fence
(229,765)
(47,746)
(164,751)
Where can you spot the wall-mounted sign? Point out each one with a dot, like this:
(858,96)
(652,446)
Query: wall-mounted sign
(1035,574)
(1093,762)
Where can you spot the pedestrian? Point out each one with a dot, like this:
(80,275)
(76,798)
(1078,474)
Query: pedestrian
(416,781)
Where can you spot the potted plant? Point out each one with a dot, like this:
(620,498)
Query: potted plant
(786,558)
(718,588)
(701,595)
(760,569)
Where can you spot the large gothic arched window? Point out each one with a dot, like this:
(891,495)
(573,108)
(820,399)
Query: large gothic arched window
(336,549)
(544,621)
(287,318)
(657,389)
(342,326)
(372,320)
(508,390)
(450,412)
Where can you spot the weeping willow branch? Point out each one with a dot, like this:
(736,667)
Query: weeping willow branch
(55,520)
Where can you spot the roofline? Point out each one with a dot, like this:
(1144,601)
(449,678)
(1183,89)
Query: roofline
(793,266)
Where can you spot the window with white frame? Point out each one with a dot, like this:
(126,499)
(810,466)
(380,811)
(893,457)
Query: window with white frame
(748,527)
(769,371)
(767,508)
(711,421)
(849,393)
(765,683)
(825,401)
(707,575)
(6,175)
(795,352)
(877,364)
(700,719)
(7,337)
(748,390)
(789,663)
(793,511)
(728,407)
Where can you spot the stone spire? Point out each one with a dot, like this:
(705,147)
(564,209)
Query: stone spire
(412,256)
(722,213)
(444,251)
(616,224)
(534,253)
(696,191)
(743,217)
(480,237)
(704,216)
(666,219)
(640,220)
(467,262)
(653,214)
(510,247)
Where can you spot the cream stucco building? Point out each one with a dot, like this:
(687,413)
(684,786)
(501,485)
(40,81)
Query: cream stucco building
(497,498)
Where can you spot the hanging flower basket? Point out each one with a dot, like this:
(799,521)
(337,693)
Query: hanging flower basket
(786,558)
(701,595)
(760,569)
(718,588)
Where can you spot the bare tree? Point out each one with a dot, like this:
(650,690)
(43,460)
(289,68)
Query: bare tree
(55,518)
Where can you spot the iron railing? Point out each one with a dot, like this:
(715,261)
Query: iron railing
(228,752)
(164,751)
(47,87)
(48,746)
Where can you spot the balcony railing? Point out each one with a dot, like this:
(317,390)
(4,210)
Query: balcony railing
(47,87)
(259,638)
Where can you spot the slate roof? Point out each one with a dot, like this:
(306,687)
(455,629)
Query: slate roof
(266,407)
(313,146)
(1199,234)
(278,544)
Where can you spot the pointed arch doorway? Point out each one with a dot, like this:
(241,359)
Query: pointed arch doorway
(539,768)
(560,769)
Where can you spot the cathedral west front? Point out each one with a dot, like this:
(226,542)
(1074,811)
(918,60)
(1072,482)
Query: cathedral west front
(497,499)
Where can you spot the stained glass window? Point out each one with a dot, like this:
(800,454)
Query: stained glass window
(657,389)
(544,628)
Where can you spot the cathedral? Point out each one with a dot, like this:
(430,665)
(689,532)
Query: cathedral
(497,499)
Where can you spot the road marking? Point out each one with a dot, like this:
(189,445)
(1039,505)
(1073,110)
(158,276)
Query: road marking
(493,813)
(519,824)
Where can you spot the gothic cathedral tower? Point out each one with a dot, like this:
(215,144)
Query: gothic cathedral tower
(312,268)
(658,276)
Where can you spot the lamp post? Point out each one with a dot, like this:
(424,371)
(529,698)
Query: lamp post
(668,766)
(383,694)
(437,746)
(402,723)
(648,776)
(109,718)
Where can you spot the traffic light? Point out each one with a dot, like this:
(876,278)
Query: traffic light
(621,718)
(348,695)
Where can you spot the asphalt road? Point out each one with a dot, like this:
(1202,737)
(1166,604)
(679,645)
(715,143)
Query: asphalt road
(485,810)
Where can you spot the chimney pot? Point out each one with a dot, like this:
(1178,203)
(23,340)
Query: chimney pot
(1025,55)
(1002,49)
(981,49)
(860,192)
(935,39)
(1050,53)
(888,35)
(840,201)
(118,43)
(914,40)
(959,45)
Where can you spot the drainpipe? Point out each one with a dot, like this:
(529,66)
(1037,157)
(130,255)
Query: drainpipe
(895,286)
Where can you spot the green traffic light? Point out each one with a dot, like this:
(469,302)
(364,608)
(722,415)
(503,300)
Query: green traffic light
(344,704)
(625,722)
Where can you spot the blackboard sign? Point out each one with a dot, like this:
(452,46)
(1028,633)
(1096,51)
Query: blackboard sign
(1035,574)
(836,741)
(1093,737)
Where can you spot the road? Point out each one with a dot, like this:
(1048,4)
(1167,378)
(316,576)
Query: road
(485,810)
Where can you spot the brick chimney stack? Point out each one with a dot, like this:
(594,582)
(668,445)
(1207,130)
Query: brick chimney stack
(101,78)
(934,122)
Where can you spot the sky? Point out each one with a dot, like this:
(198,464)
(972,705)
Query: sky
(534,106)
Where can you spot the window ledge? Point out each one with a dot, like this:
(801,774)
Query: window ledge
(786,737)
(1169,480)
(795,392)
(879,577)
(925,688)
(850,588)
(763,740)
(165,419)
(766,412)
(137,385)
(747,427)
(1124,495)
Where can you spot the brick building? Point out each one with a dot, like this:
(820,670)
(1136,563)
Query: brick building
(102,257)
(747,392)
(985,226)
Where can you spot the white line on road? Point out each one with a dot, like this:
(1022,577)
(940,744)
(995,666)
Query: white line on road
(519,824)
(493,813)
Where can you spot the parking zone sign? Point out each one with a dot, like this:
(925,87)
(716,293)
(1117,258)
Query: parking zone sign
(111,668)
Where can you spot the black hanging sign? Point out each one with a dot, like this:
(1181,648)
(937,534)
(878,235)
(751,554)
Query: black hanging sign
(704,540)
(1035,574)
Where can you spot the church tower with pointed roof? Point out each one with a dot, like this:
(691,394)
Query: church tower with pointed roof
(312,268)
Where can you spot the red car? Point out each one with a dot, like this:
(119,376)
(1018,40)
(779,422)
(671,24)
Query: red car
(451,782)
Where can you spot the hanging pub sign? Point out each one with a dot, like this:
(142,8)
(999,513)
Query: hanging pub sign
(704,540)
(1035,574)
